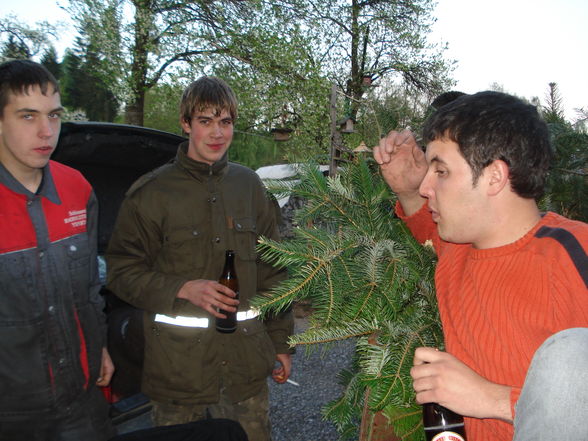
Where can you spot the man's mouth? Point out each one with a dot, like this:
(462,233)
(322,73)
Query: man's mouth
(215,147)
(44,150)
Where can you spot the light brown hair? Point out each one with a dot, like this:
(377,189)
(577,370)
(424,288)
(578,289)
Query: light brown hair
(207,93)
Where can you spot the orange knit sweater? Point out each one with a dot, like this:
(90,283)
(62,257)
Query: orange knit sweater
(498,305)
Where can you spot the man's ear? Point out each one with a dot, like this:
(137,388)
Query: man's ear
(185,125)
(498,176)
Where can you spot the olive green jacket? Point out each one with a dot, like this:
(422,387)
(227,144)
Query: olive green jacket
(174,226)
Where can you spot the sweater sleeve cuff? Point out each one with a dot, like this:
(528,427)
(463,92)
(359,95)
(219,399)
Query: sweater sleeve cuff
(420,223)
(402,215)
(515,392)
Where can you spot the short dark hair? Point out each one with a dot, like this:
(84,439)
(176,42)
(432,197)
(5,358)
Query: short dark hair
(492,125)
(208,92)
(445,98)
(18,76)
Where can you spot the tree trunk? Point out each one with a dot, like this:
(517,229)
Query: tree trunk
(375,426)
(144,19)
(134,112)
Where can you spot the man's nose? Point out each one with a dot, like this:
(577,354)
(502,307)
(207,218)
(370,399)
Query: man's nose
(45,129)
(425,189)
(217,130)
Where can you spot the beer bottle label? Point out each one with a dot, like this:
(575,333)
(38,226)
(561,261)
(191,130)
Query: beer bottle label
(448,436)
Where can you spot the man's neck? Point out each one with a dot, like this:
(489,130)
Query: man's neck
(511,224)
(30,178)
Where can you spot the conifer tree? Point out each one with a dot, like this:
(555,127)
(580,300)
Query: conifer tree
(367,279)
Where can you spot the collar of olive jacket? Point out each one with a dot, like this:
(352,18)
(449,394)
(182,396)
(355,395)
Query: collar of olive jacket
(200,170)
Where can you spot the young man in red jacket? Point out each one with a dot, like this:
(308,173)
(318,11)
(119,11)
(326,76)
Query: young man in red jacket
(53,353)
(512,282)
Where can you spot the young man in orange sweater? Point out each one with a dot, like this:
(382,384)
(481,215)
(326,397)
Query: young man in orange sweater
(512,282)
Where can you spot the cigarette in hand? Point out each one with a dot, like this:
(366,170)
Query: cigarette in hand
(292,382)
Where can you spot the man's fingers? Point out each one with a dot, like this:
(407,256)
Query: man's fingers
(404,137)
(389,145)
(427,355)
(378,155)
(219,287)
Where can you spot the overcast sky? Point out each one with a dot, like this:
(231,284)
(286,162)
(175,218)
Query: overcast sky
(522,45)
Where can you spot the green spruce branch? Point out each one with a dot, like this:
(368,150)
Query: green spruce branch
(366,279)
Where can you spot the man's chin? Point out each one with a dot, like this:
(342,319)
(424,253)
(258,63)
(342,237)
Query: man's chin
(444,234)
(448,237)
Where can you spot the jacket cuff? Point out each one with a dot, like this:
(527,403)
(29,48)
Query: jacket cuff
(279,329)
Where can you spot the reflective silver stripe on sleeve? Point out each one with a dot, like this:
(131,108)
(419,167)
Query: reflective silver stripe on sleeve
(247,315)
(196,322)
(191,322)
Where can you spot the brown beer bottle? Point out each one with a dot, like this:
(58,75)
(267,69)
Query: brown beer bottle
(442,424)
(229,279)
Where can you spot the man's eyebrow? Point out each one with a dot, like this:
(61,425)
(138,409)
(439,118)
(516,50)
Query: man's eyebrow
(27,110)
(437,159)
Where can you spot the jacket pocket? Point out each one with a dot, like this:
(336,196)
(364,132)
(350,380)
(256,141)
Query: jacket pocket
(25,383)
(176,358)
(17,285)
(182,252)
(246,238)
(255,354)
(77,254)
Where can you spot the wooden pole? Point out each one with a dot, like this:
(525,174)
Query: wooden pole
(334,132)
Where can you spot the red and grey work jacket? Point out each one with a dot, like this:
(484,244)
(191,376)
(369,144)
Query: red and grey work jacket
(51,319)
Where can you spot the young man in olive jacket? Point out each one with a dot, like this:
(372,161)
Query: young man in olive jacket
(52,331)
(166,255)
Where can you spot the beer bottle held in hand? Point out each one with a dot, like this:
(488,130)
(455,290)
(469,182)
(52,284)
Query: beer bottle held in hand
(442,424)
(229,279)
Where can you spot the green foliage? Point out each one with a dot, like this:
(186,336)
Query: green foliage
(267,101)
(567,184)
(21,41)
(15,50)
(254,150)
(281,56)
(553,111)
(50,61)
(395,108)
(82,88)
(367,279)
(162,108)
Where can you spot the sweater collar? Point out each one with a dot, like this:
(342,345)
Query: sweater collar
(546,218)
(199,169)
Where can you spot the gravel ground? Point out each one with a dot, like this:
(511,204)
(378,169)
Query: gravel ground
(295,411)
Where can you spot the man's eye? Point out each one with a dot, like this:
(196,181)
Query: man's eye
(27,116)
(55,115)
(441,172)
